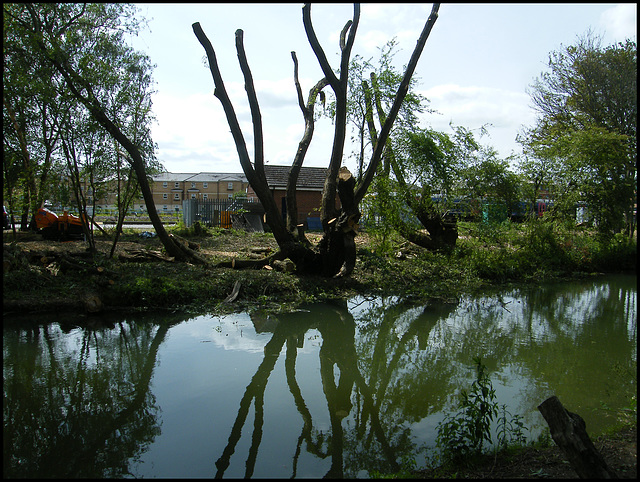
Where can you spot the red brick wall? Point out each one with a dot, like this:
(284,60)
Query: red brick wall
(309,203)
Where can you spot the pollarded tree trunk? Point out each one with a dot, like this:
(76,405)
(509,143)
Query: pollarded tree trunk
(336,254)
(303,146)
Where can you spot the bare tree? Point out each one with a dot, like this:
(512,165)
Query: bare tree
(335,255)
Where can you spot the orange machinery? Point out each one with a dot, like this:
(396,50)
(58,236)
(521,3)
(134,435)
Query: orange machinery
(53,226)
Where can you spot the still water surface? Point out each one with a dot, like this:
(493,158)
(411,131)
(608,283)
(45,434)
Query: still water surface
(334,389)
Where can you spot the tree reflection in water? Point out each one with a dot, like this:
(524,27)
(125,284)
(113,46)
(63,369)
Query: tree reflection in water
(83,411)
(338,351)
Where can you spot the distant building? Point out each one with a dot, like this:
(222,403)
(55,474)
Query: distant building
(170,189)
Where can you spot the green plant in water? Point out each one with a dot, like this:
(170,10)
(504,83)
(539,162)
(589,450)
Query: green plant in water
(465,432)
(510,431)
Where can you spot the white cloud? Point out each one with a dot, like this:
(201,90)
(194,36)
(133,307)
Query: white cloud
(473,107)
(620,22)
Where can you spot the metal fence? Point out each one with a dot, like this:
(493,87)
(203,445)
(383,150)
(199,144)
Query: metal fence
(211,212)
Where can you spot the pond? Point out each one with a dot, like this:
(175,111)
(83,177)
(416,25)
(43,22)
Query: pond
(337,389)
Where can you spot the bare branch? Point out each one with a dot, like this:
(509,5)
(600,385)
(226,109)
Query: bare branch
(297,82)
(221,93)
(346,49)
(343,35)
(397,103)
(256,118)
(317,48)
(256,176)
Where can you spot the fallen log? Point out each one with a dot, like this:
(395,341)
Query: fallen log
(568,431)
(135,254)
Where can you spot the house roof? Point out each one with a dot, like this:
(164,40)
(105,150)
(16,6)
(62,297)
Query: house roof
(309,179)
(217,176)
(199,177)
(171,176)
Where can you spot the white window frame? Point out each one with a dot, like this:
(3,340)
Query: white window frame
(176,185)
(230,186)
(164,184)
(205,185)
(176,196)
(165,196)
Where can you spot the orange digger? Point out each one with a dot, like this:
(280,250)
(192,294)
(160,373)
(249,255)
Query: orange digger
(52,226)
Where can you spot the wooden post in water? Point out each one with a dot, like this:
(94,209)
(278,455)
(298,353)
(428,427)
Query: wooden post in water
(568,431)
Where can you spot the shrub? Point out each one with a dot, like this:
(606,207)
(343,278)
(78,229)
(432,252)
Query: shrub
(463,434)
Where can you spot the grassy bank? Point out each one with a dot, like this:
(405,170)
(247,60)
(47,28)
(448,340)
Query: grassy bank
(485,255)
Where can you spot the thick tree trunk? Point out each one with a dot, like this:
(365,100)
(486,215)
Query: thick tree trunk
(337,247)
(568,430)
(337,253)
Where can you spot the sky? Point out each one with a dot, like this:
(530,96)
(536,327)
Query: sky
(475,69)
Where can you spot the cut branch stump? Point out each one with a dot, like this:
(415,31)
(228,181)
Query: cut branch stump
(568,431)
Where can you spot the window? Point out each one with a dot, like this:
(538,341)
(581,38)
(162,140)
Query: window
(165,196)
(230,186)
(176,196)
(230,196)
(205,196)
(177,185)
(193,185)
(164,184)
(164,207)
(193,195)
(205,185)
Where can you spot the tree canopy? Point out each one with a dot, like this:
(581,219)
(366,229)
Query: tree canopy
(587,105)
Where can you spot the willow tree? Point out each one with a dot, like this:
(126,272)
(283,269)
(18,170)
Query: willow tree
(335,254)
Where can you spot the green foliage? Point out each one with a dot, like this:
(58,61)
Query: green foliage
(510,430)
(540,248)
(617,253)
(52,52)
(464,433)
(585,137)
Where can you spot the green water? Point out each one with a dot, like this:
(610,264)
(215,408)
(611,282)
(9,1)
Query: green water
(334,389)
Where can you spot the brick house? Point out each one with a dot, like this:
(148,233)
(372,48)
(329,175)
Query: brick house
(308,190)
(170,188)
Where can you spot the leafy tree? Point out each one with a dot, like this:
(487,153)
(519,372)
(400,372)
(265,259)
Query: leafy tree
(84,44)
(537,173)
(402,190)
(492,180)
(30,106)
(385,78)
(590,91)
